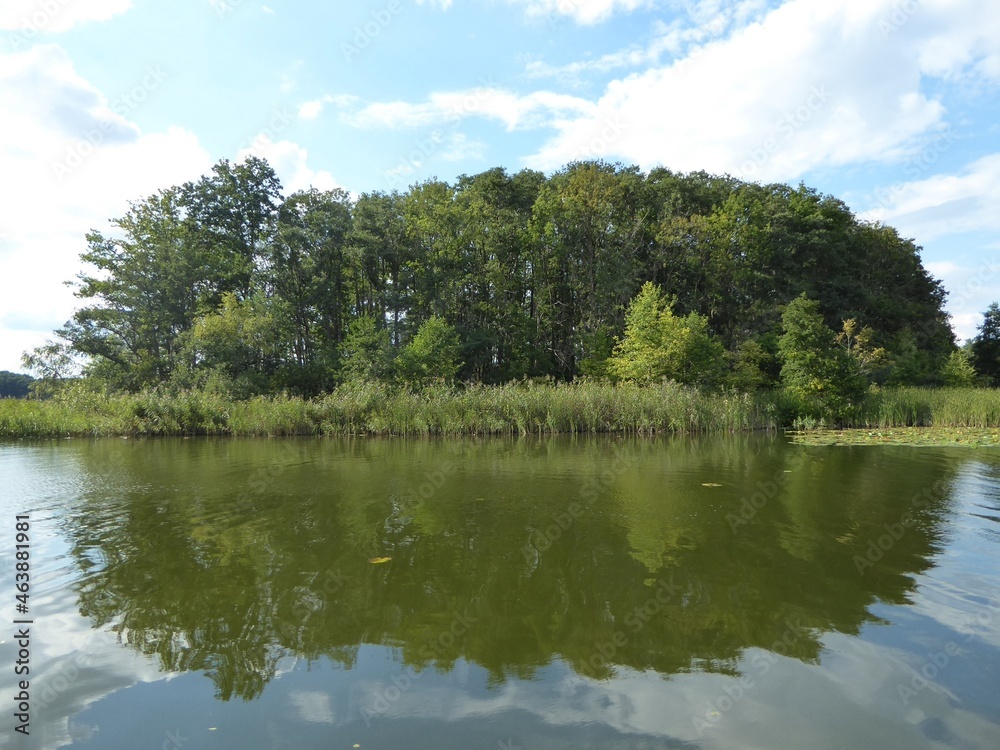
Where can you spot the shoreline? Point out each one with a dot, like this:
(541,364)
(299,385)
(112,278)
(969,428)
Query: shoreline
(513,409)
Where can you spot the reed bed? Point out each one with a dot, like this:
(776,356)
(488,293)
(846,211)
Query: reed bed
(513,409)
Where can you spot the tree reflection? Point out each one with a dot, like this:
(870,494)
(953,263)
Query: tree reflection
(192,554)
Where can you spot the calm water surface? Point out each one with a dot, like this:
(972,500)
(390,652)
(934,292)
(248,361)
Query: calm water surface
(562,593)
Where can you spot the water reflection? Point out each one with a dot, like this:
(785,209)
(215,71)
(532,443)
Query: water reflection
(610,556)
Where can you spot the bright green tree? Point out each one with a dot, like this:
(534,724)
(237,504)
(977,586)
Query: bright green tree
(658,344)
(958,371)
(820,375)
(433,354)
(239,344)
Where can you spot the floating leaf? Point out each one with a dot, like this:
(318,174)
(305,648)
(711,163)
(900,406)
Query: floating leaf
(710,484)
(378,560)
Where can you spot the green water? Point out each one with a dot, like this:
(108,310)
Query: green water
(560,593)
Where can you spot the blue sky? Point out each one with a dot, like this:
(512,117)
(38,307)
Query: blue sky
(890,105)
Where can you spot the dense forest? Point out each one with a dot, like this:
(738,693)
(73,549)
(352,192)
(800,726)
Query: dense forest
(599,270)
(14,385)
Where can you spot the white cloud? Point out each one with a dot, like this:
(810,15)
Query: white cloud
(288,160)
(684,35)
(54,117)
(802,87)
(311,110)
(945,204)
(458,147)
(940,209)
(29,18)
(312,706)
(71,159)
(972,286)
(584,12)
(776,98)
(314,108)
(541,108)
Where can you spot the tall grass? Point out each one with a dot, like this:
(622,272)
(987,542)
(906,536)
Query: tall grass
(517,408)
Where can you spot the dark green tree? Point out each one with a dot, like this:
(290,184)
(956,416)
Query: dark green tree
(365,354)
(986,345)
(14,384)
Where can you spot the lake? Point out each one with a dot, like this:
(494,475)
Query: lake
(503,594)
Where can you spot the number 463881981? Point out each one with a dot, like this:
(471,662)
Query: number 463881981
(22,552)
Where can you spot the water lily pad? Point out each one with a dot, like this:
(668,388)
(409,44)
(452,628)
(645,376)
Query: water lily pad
(378,560)
(968,437)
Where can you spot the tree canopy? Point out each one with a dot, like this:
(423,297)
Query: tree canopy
(517,275)
(14,385)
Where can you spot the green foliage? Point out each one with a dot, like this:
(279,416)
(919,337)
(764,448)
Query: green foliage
(225,284)
(958,371)
(986,346)
(866,358)
(432,355)
(53,363)
(820,376)
(908,363)
(658,344)
(14,384)
(365,354)
(751,365)
(599,346)
(236,345)
(359,407)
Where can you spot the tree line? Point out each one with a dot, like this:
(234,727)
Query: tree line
(598,270)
